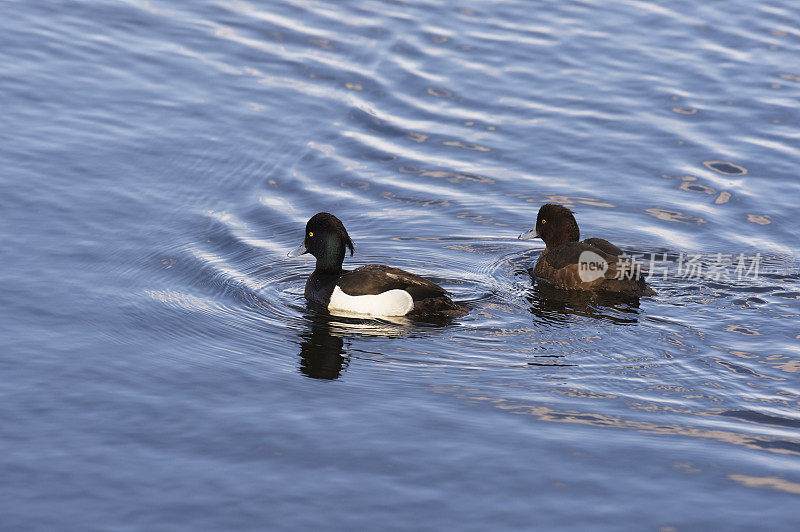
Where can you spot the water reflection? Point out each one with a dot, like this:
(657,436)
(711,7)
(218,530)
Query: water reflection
(551,304)
(322,354)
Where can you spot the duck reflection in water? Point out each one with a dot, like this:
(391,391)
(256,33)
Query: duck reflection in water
(322,354)
(553,304)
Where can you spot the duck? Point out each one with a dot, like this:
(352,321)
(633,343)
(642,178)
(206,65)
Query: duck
(593,265)
(373,290)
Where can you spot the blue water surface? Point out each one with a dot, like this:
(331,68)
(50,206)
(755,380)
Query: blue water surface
(160,369)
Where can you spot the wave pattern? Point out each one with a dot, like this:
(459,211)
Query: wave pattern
(448,128)
(181,149)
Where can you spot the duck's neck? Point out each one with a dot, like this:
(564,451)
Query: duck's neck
(555,242)
(324,268)
(329,261)
(569,233)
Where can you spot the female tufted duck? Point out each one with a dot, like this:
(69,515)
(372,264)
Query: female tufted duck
(592,265)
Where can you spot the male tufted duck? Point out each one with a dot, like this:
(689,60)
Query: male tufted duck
(375,289)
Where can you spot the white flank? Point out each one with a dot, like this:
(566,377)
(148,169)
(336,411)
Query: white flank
(391,303)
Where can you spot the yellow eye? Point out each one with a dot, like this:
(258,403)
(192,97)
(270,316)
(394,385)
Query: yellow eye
(544,221)
(310,233)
